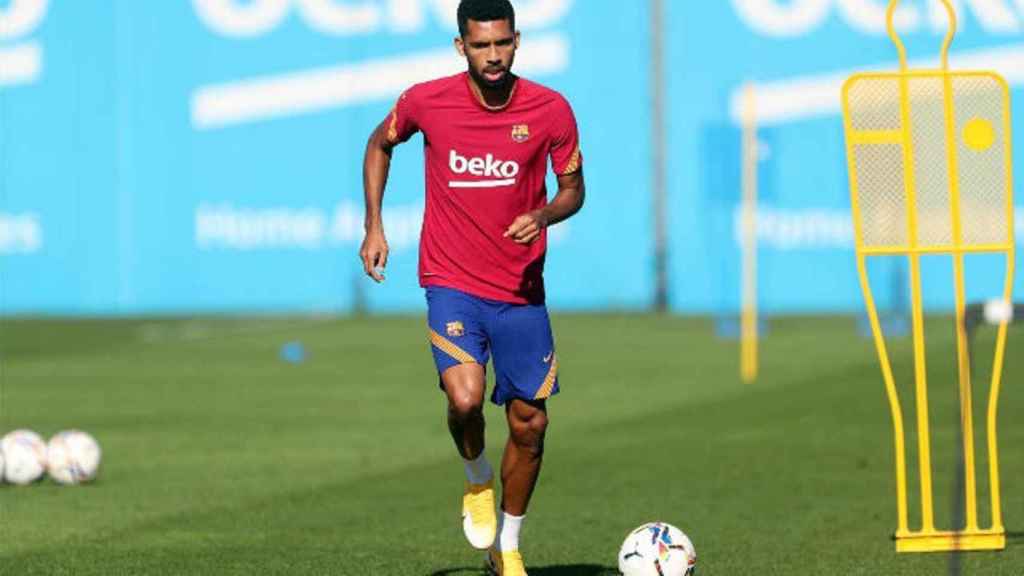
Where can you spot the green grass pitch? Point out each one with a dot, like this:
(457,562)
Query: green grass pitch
(222,459)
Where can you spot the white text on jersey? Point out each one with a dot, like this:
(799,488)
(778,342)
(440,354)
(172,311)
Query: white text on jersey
(503,172)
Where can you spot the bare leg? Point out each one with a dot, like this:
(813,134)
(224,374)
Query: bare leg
(520,466)
(464,385)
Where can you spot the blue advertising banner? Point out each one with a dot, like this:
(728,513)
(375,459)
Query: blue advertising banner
(795,55)
(206,155)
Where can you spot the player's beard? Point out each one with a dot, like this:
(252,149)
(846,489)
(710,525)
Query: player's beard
(502,83)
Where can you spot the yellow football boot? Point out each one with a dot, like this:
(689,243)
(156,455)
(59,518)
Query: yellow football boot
(506,563)
(479,522)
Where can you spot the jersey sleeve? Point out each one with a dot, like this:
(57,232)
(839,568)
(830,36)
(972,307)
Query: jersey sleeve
(402,121)
(565,142)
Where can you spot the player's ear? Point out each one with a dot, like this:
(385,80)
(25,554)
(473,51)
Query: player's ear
(460,46)
(517,39)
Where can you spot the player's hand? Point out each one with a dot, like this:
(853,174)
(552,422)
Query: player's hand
(374,253)
(526,229)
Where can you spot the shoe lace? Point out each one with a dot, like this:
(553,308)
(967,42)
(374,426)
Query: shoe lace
(479,502)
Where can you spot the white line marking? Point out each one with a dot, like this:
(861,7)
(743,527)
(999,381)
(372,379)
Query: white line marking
(482,183)
(805,97)
(319,89)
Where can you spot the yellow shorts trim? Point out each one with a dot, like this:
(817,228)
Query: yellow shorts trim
(549,381)
(449,348)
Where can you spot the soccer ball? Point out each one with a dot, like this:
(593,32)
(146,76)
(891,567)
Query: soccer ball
(72,457)
(24,454)
(657,549)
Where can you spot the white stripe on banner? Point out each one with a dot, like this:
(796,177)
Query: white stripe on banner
(481,183)
(20,64)
(805,97)
(319,89)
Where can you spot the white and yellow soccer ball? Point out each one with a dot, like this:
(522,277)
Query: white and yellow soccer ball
(24,454)
(657,549)
(73,457)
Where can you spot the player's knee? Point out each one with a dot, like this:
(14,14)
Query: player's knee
(528,433)
(465,407)
(539,424)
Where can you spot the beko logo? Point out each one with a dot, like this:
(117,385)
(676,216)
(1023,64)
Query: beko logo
(782,18)
(21,58)
(308,90)
(503,172)
(245,18)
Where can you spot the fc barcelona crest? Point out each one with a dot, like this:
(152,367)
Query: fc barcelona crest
(521,133)
(455,329)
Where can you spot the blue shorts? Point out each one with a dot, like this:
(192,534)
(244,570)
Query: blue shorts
(465,329)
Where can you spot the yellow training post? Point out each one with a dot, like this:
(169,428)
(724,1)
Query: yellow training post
(929,156)
(748,224)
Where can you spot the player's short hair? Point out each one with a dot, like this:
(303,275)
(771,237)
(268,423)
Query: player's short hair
(485,11)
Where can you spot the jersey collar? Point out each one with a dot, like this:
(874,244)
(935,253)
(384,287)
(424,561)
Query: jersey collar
(479,98)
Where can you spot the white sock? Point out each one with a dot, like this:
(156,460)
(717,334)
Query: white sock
(508,532)
(478,471)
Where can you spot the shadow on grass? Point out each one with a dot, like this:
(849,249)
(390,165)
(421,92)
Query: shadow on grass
(1015,535)
(567,570)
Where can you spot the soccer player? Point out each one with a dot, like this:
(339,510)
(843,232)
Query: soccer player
(487,135)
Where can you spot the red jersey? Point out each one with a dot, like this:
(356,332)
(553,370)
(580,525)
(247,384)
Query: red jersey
(485,167)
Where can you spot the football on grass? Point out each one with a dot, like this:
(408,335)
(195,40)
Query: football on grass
(657,549)
(24,457)
(73,457)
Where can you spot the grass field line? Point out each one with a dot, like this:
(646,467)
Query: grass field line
(205,329)
(114,336)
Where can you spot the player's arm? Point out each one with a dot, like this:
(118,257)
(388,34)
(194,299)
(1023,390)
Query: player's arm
(568,201)
(376,165)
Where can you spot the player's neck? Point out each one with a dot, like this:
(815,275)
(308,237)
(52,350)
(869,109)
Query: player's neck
(493,98)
